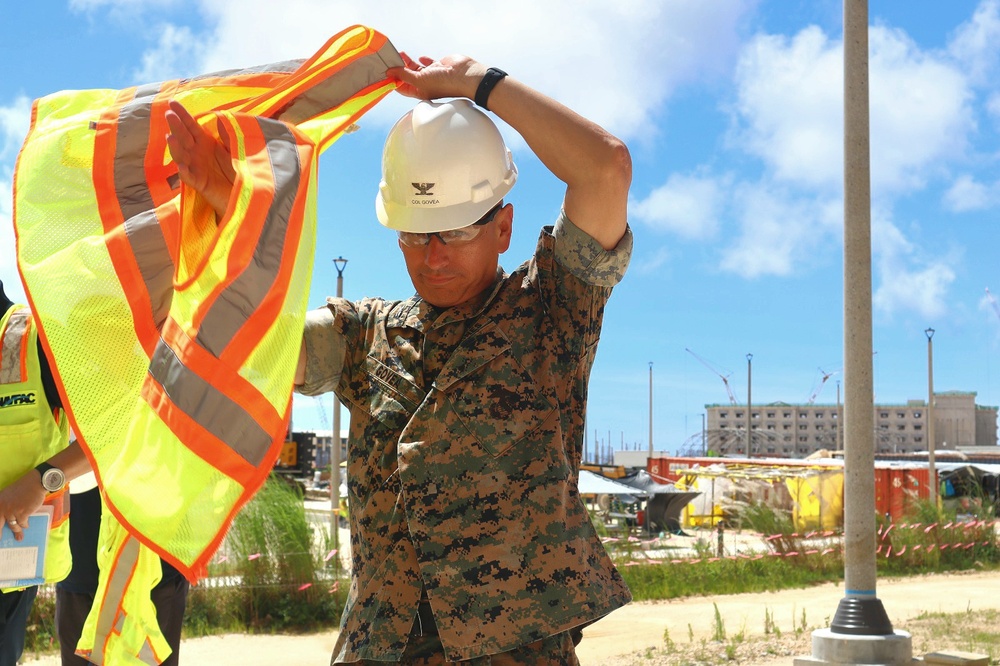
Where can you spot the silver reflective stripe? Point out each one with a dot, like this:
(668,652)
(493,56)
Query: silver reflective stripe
(209,407)
(142,228)
(149,248)
(241,299)
(284,67)
(131,139)
(146,655)
(341,85)
(110,618)
(10,347)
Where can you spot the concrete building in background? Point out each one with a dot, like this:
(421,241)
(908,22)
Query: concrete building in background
(783,430)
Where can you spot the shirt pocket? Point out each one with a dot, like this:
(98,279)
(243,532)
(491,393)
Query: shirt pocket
(494,396)
(391,397)
(20,447)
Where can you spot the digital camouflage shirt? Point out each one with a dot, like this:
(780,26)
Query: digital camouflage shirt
(465,441)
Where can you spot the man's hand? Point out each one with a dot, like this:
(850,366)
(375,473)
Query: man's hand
(451,76)
(19,500)
(203,162)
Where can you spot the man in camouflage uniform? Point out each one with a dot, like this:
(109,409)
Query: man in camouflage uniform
(467,400)
(469,539)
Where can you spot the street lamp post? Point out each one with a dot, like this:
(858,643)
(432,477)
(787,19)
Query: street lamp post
(840,421)
(931,470)
(339,263)
(749,406)
(650,409)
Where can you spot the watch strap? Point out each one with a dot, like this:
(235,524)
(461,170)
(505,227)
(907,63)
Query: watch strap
(492,77)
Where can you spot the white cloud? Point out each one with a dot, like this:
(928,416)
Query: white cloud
(968,194)
(779,233)
(119,5)
(907,279)
(921,112)
(8,259)
(789,114)
(993,105)
(976,43)
(790,100)
(688,206)
(789,106)
(14,121)
(615,63)
(175,55)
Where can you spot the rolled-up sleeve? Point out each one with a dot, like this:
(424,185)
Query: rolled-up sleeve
(325,347)
(586,259)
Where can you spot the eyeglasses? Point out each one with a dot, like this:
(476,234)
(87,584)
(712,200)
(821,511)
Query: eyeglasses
(452,236)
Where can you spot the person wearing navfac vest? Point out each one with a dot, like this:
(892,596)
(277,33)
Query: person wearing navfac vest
(35,461)
(469,540)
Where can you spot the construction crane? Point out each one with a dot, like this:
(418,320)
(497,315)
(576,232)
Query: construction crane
(993,302)
(819,387)
(723,377)
(322,412)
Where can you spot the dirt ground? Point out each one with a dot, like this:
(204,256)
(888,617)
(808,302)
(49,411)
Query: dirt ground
(633,634)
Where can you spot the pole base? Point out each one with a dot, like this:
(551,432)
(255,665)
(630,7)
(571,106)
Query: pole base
(861,617)
(832,649)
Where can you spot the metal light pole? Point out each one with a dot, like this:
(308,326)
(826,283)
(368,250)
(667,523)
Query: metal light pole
(650,409)
(840,421)
(339,263)
(931,469)
(749,406)
(704,437)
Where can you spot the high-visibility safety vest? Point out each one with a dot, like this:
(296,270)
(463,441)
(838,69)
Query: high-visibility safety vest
(176,335)
(31,430)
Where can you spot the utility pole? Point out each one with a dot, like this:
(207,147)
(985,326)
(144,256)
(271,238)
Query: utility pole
(704,437)
(931,443)
(339,263)
(650,409)
(749,406)
(840,421)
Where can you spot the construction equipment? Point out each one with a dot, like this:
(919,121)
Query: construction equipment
(993,301)
(819,386)
(299,451)
(723,377)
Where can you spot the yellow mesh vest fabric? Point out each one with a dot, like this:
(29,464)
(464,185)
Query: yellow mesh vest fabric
(30,433)
(175,335)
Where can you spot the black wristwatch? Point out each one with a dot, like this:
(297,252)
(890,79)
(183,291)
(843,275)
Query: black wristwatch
(53,478)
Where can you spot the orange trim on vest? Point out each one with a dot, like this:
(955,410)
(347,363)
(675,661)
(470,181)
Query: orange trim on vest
(60,503)
(213,370)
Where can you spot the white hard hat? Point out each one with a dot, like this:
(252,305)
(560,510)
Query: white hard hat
(443,167)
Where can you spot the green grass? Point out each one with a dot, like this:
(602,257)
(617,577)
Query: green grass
(938,544)
(274,578)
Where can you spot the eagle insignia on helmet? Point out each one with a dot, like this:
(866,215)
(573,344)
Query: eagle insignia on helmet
(423,189)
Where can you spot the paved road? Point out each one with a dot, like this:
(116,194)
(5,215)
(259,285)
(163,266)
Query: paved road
(640,625)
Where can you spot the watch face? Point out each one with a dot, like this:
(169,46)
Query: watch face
(53,479)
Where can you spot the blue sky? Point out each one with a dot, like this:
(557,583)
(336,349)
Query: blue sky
(732,110)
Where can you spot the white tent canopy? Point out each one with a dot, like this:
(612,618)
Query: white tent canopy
(595,484)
